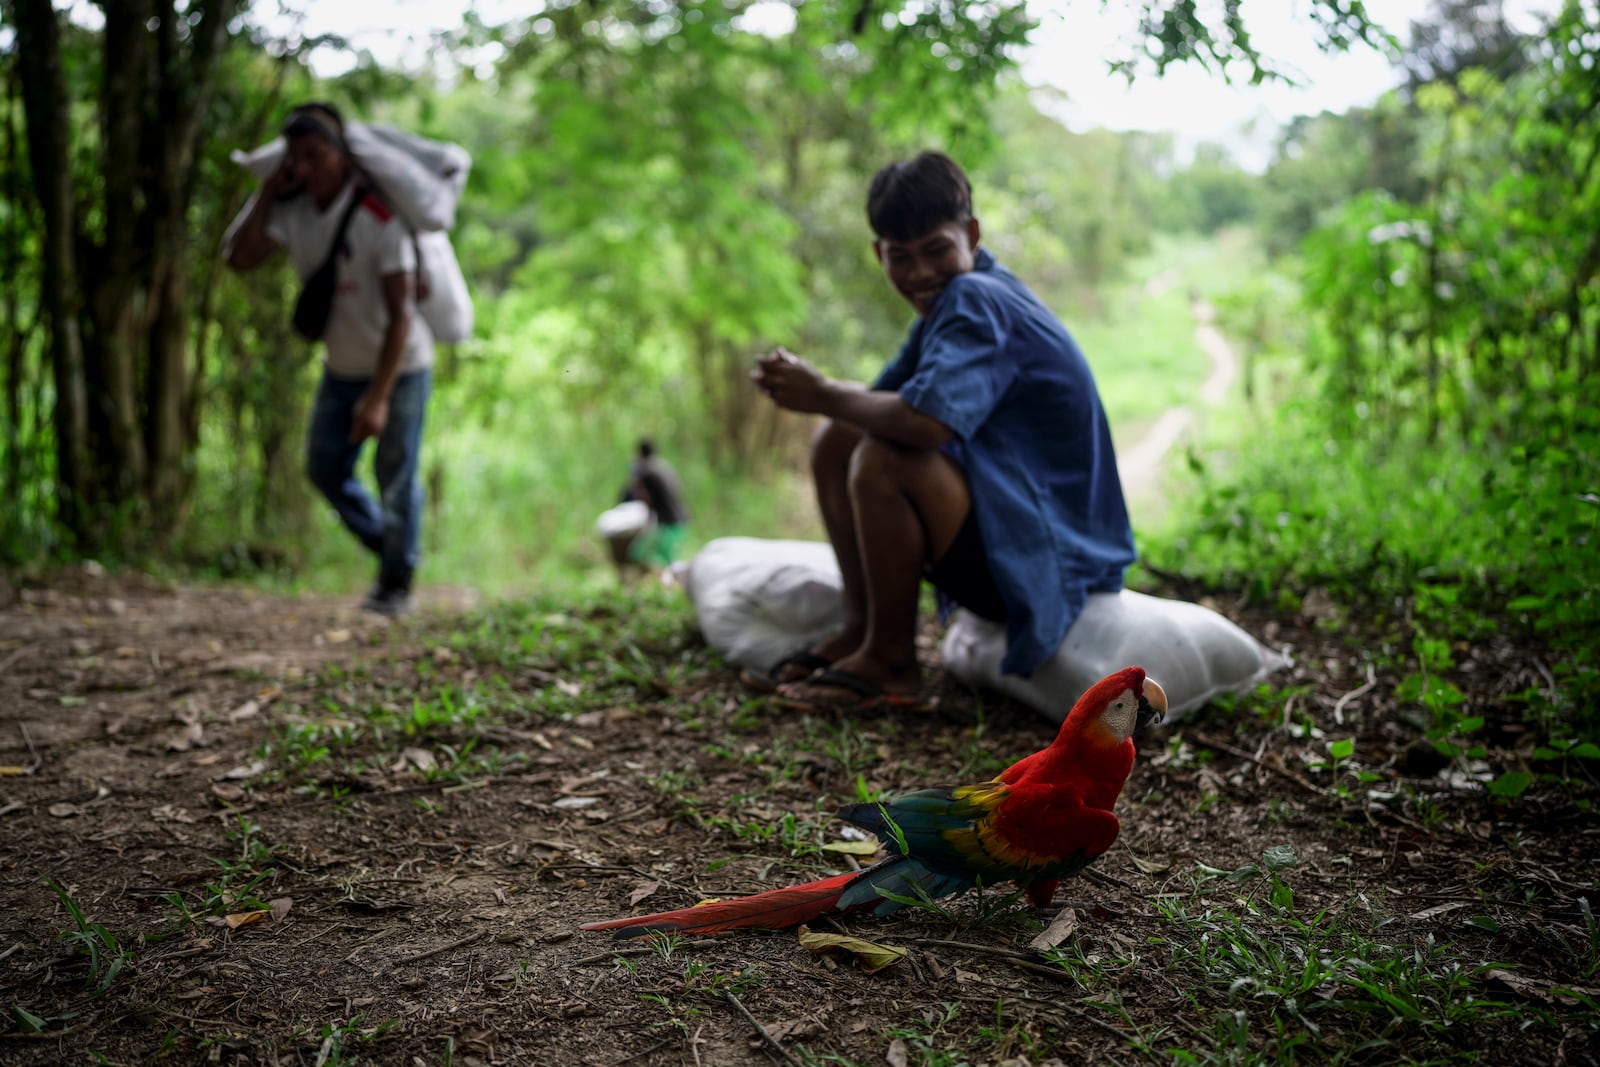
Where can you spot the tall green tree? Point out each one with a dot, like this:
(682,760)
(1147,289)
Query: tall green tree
(116,247)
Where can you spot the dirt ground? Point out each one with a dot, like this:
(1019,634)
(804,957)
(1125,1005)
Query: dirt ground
(254,900)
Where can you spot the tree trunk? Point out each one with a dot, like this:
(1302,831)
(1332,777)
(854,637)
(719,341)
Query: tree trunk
(185,85)
(48,122)
(10,269)
(114,277)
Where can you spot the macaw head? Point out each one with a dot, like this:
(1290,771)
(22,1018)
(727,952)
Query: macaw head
(1118,705)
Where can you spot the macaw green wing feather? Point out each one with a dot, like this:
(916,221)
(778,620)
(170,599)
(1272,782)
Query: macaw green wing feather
(988,830)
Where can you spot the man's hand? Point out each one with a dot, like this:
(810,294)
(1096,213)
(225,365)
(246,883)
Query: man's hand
(370,416)
(791,382)
(278,180)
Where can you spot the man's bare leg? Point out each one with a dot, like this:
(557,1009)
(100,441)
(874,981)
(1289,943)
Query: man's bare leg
(907,506)
(831,451)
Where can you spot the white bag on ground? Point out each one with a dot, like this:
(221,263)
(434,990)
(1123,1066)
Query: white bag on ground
(1194,653)
(759,600)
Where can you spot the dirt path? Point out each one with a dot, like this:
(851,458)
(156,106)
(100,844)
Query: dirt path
(1141,465)
(317,836)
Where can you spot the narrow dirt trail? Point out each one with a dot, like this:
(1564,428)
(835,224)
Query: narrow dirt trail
(1141,465)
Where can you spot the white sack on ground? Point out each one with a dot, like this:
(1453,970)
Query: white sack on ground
(759,600)
(1195,653)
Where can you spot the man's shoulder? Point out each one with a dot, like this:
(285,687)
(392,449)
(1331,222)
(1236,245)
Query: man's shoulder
(373,205)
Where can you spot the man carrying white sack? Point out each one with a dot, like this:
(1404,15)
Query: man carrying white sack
(357,262)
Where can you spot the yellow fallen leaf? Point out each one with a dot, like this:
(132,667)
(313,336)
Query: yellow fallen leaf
(244,918)
(1151,866)
(873,956)
(852,848)
(12,771)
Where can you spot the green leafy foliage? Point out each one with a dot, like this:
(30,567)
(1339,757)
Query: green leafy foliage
(1441,473)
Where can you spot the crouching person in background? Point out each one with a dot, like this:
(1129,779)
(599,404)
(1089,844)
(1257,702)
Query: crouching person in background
(377,350)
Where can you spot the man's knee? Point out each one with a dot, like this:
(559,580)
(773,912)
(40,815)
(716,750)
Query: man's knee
(876,461)
(324,471)
(832,446)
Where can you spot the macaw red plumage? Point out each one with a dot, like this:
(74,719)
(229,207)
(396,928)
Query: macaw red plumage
(1043,818)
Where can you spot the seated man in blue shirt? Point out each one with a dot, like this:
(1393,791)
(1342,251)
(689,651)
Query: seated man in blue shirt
(980,459)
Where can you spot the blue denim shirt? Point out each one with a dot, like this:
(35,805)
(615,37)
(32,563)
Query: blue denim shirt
(1000,370)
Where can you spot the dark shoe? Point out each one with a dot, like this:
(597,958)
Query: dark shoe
(841,690)
(391,601)
(795,667)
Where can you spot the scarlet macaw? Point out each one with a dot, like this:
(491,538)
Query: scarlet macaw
(1043,818)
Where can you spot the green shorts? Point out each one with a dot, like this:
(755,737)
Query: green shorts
(658,545)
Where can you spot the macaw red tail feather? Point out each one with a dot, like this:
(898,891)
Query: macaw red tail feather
(772,910)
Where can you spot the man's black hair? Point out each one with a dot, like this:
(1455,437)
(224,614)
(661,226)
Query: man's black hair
(647,447)
(316,118)
(909,198)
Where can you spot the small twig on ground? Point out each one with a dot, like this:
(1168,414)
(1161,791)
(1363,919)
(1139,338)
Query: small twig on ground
(15,654)
(33,754)
(638,950)
(1211,742)
(762,1030)
(694,1044)
(1094,874)
(420,956)
(1101,1024)
(1338,706)
(987,950)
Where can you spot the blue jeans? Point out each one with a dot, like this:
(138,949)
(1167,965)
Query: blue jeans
(392,531)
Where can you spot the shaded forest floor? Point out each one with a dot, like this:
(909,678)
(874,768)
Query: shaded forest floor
(237,828)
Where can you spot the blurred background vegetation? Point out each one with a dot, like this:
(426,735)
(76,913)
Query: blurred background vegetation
(662,190)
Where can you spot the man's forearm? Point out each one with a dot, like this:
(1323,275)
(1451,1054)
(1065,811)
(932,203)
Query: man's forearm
(392,353)
(882,414)
(251,246)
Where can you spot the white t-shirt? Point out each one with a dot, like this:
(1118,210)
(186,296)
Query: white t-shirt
(376,243)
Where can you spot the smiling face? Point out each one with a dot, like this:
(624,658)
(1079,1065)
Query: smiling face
(919,268)
(319,166)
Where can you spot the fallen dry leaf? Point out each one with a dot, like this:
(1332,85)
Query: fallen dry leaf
(576,802)
(852,848)
(239,774)
(245,711)
(11,770)
(336,637)
(641,891)
(244,918)
(1538,988)
(897,1055)
(1152,866)
(64,810)
(280,907)
(232,794)
(1061,927)
(171,813)
(420,758)
(873,956)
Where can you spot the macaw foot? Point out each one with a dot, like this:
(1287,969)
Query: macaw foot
(836,689)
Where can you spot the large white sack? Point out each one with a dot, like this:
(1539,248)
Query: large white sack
(421,179)
(447,306)
(1194,653)
(628,517)
(759,600)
